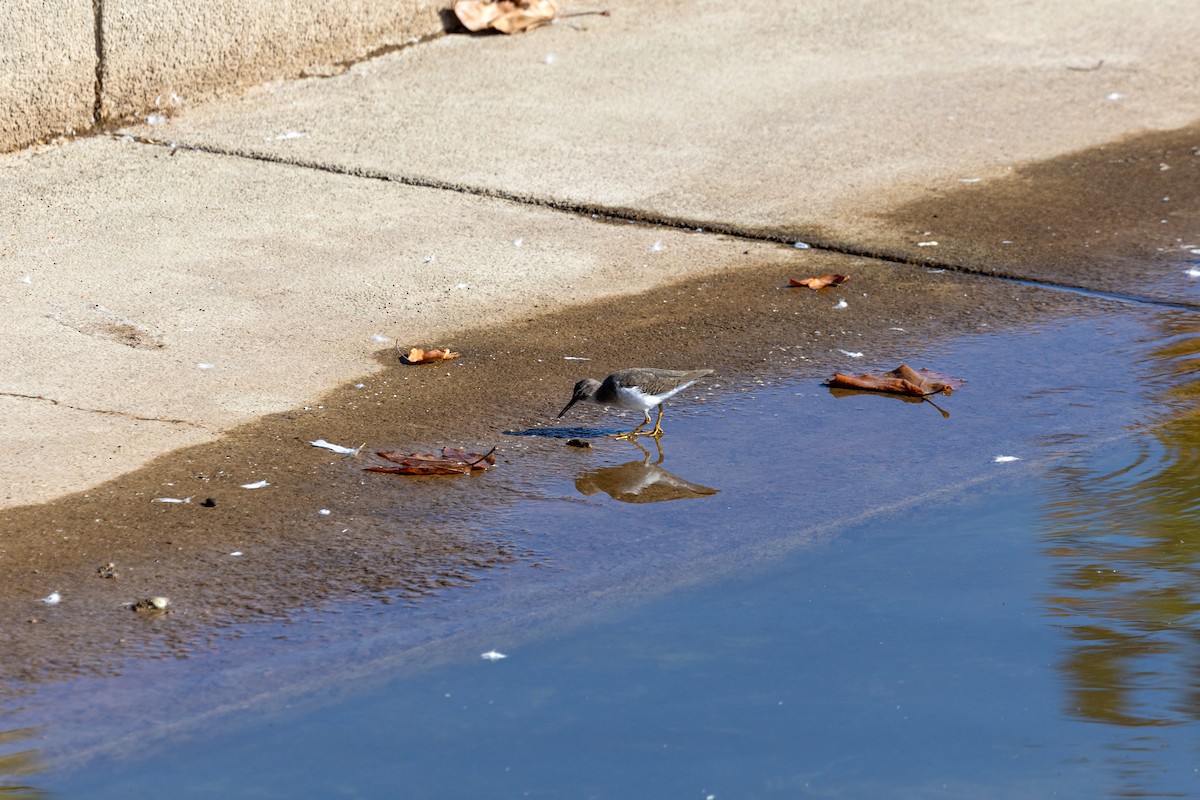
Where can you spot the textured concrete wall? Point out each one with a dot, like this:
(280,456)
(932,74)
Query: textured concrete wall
(153,49)
(155,54)
(47,69)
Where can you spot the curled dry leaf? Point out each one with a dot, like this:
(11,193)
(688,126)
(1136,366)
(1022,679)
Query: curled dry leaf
(452,461)
(506,16)
(902,380)
(821,282)
(418,355)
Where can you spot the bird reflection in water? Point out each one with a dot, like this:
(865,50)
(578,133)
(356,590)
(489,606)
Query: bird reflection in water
(640,481)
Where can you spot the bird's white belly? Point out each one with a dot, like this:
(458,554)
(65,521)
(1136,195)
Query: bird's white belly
(638,401)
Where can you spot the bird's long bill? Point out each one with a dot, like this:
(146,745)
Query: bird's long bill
(567,407)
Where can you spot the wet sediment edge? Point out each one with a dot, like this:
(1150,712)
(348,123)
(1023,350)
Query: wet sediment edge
(742,322)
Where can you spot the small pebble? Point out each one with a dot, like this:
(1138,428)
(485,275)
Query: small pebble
(152,605)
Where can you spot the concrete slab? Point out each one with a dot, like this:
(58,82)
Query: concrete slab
(790,120)
(47,69)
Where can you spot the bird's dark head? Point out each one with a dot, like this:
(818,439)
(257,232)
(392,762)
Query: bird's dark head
(585,390)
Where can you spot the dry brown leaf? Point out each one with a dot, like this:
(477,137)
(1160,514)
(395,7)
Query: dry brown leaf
(821,282)
(452,461)
(902,380)
(506,16)
(419,356)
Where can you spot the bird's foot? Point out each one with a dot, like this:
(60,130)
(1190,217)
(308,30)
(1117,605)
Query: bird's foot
(632,436)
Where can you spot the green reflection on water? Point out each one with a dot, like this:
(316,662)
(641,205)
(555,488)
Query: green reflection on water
(1125,536)
(15,765)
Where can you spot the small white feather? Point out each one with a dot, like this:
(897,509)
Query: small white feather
(337,448)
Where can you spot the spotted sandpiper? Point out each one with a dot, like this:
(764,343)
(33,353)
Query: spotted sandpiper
(639,389)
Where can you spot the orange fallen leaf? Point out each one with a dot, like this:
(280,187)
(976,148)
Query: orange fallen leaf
(821,282)
(419,356)
(902,380)
(506,16)
(452,461)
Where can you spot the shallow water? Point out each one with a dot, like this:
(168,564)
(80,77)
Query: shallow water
(813,596)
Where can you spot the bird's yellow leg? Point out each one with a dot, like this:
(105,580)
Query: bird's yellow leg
(633,434)
(658,431)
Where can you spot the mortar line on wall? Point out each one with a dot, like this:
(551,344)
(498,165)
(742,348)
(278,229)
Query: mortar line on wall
(98,31)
